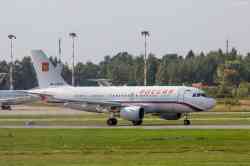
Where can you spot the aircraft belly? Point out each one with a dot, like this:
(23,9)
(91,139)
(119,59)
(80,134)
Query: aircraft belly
(164,107)
(173,107)
(181,108)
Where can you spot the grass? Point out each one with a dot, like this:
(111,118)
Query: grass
(118,147)
(233,108)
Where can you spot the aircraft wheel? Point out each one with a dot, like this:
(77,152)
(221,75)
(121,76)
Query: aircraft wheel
(137,123)
(6,107)
(9,107)
(187,122)
(112,122)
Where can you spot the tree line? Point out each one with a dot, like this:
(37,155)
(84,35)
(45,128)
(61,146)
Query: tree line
(226,74)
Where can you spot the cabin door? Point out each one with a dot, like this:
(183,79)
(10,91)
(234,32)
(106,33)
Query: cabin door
(185,96)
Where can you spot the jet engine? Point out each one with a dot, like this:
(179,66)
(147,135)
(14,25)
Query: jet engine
(171,116)
(132,113)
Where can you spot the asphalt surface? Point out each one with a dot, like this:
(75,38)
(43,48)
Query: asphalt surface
(132,127)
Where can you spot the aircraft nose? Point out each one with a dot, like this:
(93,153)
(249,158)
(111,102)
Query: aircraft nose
(211,103)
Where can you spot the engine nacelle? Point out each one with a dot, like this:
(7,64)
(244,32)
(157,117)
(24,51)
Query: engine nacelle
(132,113)
(171,116)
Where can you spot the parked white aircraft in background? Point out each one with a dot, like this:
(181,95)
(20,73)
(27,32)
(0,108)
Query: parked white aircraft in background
(127,102)
(15,97)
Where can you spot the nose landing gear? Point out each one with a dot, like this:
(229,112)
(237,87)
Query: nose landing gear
(187,122)
(137,123)
(187,116)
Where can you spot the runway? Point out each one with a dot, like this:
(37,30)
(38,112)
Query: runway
(129,127)
(50,117)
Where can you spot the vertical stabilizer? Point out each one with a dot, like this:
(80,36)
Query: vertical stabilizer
(47,74)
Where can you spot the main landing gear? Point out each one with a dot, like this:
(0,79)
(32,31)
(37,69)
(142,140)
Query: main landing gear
(112,122)
(6,107)
(187,116)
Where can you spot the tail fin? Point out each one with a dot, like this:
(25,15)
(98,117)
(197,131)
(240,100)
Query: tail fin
(47,74)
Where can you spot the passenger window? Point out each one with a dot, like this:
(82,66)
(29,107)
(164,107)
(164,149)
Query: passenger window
(194,95)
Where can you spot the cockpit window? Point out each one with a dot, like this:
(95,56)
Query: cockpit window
(199,95)
(203,95)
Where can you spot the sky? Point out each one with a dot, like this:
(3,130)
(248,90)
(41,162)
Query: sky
(111,26)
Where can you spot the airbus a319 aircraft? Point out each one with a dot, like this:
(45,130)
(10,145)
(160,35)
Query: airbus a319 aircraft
(128,102)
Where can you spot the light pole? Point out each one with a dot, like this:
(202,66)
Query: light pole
(145,34)
(73,36)
(59,49)
(227,46)
(11,37)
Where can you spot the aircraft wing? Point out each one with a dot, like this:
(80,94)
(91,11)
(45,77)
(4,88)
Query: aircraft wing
(91,106)
(56,99)
(91,102)
(79,104)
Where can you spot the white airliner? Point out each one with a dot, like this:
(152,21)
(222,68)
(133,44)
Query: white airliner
(127,102)
(15,97)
